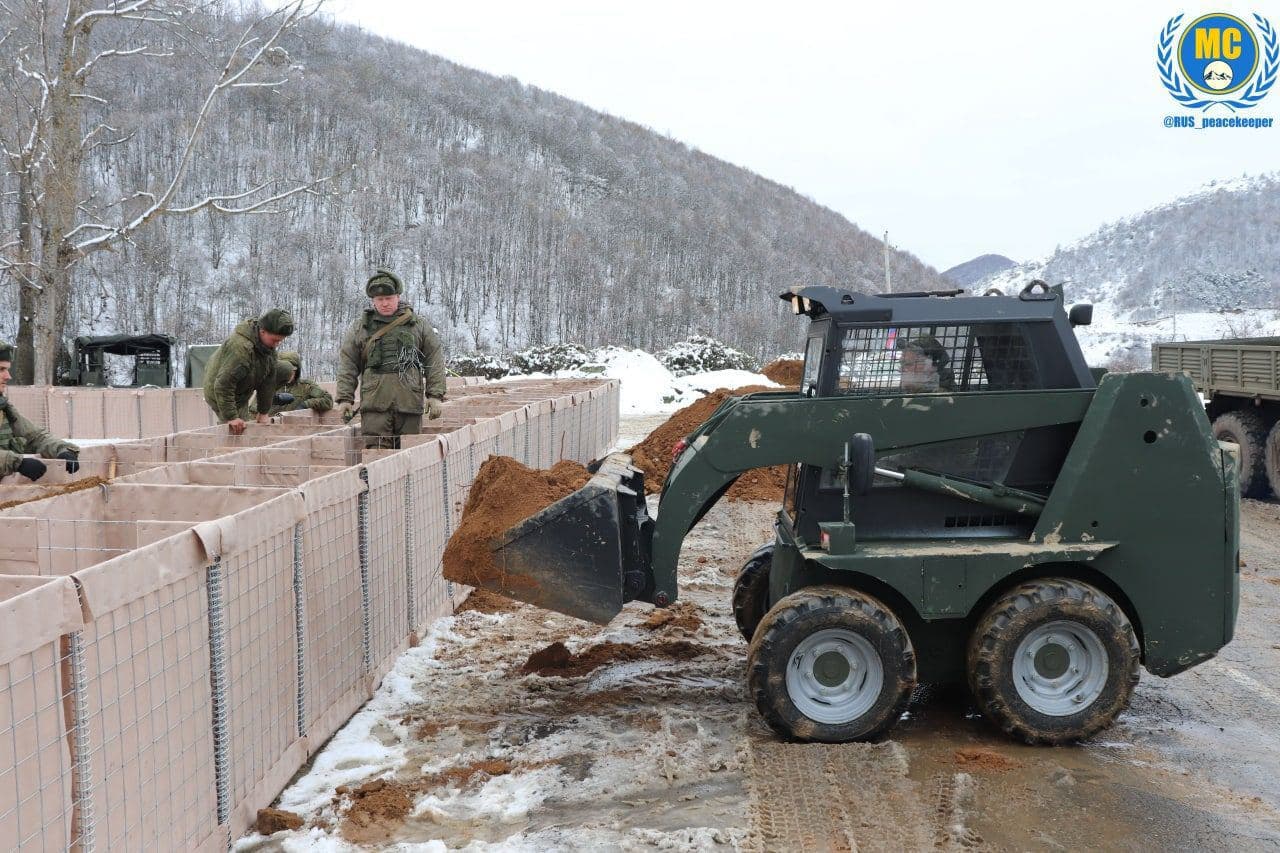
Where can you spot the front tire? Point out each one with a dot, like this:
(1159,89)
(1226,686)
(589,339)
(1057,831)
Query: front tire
(831,664)
(751,591)
(1053,661)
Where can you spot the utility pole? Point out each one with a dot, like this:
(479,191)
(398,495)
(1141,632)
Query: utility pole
(888,283)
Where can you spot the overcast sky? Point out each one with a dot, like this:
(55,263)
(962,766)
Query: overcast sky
(961,128)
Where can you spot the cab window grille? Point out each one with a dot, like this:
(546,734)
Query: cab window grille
(927,359)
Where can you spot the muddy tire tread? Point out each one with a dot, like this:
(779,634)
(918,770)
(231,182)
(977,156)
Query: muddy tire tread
(751,591)
(1247,428)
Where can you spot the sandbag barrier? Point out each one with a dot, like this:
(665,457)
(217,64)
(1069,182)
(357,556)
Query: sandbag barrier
(176,644)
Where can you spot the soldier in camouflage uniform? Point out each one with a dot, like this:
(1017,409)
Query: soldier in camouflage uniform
(395,357)
(305,394)
(243,365)
(18,435)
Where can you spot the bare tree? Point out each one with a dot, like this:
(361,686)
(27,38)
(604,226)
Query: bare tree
(57,118)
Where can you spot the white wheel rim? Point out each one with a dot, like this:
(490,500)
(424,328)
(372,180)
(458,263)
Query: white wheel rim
(834,676)
(1060,668)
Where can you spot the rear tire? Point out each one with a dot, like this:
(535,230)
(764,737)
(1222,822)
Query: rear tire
(1246,428)
(751,591)
(832,665)
(1053,661)
(1272,459)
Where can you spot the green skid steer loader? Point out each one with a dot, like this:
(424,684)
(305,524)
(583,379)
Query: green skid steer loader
(966,503)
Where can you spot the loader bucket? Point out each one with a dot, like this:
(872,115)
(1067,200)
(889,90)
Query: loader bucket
(587,553)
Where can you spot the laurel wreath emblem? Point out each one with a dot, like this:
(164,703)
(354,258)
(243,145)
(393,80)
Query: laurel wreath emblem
(1193,100)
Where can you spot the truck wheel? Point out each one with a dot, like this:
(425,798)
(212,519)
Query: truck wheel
(1245,428)
(1053,661)
(830,664)
(751,591)
(1272,459)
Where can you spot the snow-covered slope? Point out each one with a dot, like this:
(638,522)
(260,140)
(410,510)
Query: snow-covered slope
(1205,265)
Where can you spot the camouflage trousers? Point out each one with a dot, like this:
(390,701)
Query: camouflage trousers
(382,430)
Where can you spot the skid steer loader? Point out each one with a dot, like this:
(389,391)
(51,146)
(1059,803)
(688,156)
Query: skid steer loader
(966,503)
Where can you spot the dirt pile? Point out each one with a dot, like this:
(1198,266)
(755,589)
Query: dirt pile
(977,758)
(785,371)
(462,774)
(653,455)
(484,601)
(556,661)
(377,809)
(276,820)
(682,616)
(504,494)
(62,489)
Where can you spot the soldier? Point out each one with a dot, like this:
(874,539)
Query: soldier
(244,364)
(18,435)
(395,357)
(924,366)
(302,393)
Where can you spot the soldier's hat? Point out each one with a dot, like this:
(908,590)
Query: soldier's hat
(6,351)
(277,321)
(383,283)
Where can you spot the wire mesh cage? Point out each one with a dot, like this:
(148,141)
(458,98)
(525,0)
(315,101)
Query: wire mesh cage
(934,359)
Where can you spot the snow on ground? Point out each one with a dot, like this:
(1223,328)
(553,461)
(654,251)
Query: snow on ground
(1112,335)
(648,387)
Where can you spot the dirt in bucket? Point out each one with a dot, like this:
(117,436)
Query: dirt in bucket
(653,455)
(785,371)
(504,494)
(60,489)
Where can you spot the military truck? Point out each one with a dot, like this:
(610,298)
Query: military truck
(1240,381)
(152,357)
(966,503)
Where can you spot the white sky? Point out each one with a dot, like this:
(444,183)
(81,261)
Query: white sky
(961,128)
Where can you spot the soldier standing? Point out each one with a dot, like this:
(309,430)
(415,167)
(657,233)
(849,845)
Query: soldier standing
(395,357)
(304,393)
(243,365)
(18,435)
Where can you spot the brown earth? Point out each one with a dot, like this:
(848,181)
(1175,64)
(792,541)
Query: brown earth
(504,494)
(555,661)
(462,774)
(62,489)
(377,810)
(484,601)
(682,616)
(653,455)
(977,758)
(785,371)
(276,820)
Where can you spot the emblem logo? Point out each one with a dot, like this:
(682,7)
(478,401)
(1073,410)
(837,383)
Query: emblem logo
(1218,59)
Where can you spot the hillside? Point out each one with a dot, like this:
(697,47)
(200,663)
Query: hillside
(969,272)
(515,216)
(1201,266)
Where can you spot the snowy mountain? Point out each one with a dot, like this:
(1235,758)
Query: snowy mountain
(969,272)
(1205,265)
(515,217)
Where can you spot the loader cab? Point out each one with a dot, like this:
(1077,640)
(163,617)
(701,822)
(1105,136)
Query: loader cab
(901,346)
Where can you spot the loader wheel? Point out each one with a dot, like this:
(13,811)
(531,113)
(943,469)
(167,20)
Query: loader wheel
(751,591)
(1245,428)
(1272,459)
(1053,661)
(830,664)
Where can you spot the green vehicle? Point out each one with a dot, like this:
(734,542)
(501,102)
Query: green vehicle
(151,356)
(965,504)
(1240,381)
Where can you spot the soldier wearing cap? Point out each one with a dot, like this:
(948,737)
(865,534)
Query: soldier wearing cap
(396,359)
(293,392)
(18,435)
(924,366)
(245,364)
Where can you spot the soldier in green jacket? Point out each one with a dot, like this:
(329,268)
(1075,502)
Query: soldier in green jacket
(243,365)
(18,435)
(396,359)
(305,394)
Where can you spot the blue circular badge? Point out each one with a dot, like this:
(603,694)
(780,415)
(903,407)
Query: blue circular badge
(1218,53)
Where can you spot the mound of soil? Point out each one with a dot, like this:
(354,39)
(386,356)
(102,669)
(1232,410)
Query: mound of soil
(462,774)
(653,455)
(681,616)
(785,371)
(978,758)
(377,809)
(504,494)
(555,661)
(484,601)
(276,820)
(62,489)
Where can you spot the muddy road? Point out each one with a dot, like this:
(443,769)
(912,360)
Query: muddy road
(641,736)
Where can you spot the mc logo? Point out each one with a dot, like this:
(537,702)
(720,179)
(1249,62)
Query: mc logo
(1217,55)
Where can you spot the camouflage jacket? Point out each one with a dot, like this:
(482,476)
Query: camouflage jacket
(404,366)
(306,395)
(19,435)
(240,367)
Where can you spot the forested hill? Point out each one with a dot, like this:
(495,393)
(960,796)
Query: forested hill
(515,216)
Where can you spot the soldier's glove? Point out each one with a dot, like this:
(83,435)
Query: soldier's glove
(348,411)
(282,398)
(435,408)
(31,468)
(72,459)
(318,406)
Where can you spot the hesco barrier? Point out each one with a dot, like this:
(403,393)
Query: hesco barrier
(121,413)
(177,642)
